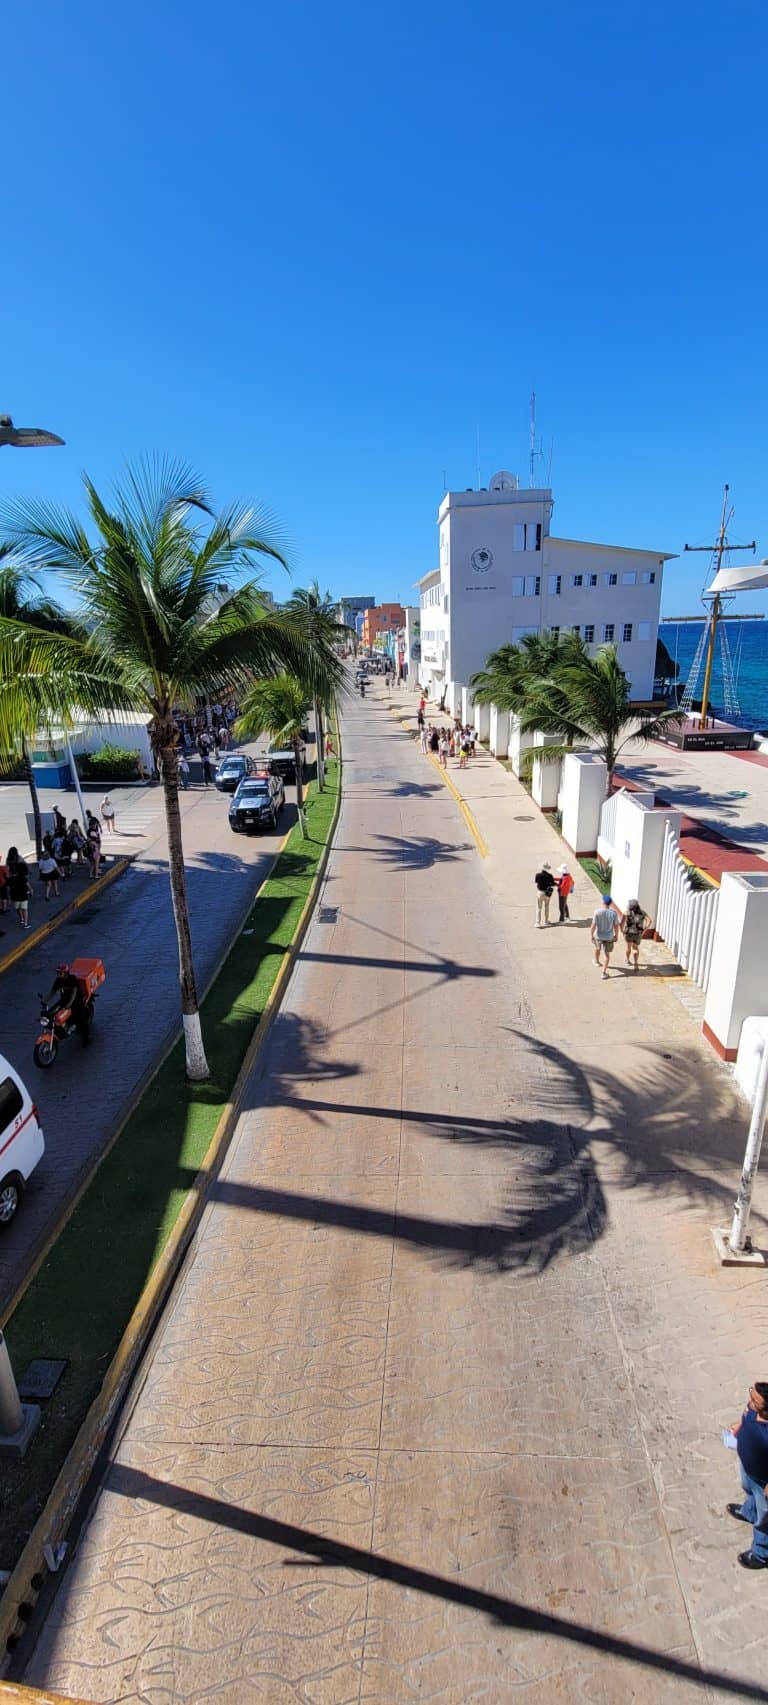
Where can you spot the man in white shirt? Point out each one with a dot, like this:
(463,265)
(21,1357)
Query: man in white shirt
(604,931)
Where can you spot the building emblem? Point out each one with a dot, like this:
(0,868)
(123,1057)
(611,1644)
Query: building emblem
(481,560)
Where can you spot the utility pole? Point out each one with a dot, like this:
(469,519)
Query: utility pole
(717,552)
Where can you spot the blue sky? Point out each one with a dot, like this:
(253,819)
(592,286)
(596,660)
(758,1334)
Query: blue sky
(310,248)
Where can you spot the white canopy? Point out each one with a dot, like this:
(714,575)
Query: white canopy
(750,578)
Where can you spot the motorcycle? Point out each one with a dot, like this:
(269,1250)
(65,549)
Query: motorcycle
(62,1018)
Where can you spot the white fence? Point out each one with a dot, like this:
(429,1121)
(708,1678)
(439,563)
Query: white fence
(686,918)
(606,839)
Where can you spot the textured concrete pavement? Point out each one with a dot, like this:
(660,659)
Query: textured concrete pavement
(130,926)
(435,1411)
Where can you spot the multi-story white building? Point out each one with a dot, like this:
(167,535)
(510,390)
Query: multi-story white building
(502,574)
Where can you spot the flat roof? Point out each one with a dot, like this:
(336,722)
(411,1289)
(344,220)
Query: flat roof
(629,550)
(432,575)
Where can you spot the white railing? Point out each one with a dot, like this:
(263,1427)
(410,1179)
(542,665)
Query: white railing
(687,916)
(606,839)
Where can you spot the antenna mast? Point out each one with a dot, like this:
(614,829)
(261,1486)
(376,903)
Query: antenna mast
(532,450)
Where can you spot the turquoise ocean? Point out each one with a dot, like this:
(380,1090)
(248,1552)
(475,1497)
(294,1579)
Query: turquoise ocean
(748,643)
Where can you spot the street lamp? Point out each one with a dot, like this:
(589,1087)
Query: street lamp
(25,437)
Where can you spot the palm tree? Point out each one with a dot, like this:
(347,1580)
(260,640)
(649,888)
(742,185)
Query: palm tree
(511,672)
(277,706)
(149,581)
(587,699)
(22,600)
(314,613)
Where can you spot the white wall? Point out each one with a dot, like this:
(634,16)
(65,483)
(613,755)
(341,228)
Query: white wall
(498,735)
(519,744)
(738,986)
(638,851)
(582,798)
(545,780)
(129,736)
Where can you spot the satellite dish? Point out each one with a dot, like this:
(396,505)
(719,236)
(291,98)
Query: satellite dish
(503,482)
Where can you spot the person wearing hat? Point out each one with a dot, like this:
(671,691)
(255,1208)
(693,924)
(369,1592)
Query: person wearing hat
(565,886)
(604,931)
(545,887)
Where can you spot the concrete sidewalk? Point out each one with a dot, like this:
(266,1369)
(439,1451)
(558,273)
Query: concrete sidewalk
(436,1410)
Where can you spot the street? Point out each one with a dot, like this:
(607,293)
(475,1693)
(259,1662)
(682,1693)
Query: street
(435,1411)
(84,1095)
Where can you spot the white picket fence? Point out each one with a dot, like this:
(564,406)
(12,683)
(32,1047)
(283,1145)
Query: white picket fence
(606,839)
(686,917)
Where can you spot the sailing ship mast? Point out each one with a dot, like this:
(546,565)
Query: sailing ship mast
(715,598)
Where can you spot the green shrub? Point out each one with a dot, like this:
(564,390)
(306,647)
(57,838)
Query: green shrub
(110,763)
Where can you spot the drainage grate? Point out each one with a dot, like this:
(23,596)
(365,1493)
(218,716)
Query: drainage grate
(328,915)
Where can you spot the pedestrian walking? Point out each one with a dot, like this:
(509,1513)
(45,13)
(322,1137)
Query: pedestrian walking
(223,737)
(93,838)
(633,927)
(77,840)
(545,888)
(19,886)
(48,871)
(434,740)
(59,821)
(182,766)
(751,1435)
(604,932)
(207,771)
(419,719)
(329,748)
(108,813)
(565,886)
(423,739)
(443,748)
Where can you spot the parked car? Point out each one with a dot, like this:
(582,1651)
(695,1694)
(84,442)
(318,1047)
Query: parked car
(282,761)
(257,803)
(22,1143)
(232,770)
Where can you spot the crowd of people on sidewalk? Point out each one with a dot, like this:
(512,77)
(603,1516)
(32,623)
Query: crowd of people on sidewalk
(458,741)
(606,925)
(66,844)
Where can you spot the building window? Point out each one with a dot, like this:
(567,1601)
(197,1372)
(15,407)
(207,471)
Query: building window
(520,633)
(608,631)
(518,585)
(648,577)
(576,629)
(577,580)
(555,585)
(629,578)
(591,579)
(589,632)
(532,585)
(611,580)
(555,631)
(627,632)
(643,630)
(533,536)
(519,536)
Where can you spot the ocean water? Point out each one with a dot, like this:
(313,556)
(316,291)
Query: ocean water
(748,643)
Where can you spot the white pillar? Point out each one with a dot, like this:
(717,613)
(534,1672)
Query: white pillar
(637,851)
(467,703)
(482,714)
(583,788)
(498,734)
(545,781)
(519,744)
(738,986)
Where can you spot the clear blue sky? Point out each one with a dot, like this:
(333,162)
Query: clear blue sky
(310,247)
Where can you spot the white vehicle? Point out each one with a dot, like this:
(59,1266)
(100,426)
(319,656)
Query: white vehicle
(22,1143)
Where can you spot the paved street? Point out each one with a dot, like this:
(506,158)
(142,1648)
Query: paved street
(435,1413)
(130,926)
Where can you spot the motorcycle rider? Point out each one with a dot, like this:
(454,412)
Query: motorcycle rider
(66,991)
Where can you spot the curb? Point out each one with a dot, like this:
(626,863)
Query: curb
(80,1462)
(120,865)
(482,846)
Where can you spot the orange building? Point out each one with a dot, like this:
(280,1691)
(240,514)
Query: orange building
(382,619)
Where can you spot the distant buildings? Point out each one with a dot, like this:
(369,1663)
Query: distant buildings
(349,608)
(502,575)
(380,626)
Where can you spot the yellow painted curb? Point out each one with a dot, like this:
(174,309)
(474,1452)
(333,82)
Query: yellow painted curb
(12,1693)
(482,846)
(73,1476)
(121,864)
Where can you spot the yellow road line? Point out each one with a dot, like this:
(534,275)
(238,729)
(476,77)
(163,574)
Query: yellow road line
(482,846)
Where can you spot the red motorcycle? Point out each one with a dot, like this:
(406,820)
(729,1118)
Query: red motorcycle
(68,1010)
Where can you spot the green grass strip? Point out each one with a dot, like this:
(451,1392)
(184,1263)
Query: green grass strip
(598,872)
(80,1301)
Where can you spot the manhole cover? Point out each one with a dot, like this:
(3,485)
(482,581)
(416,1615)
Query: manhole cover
(40,1379)
(328,915)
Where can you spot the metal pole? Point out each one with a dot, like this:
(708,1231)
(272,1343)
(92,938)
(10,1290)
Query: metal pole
(78,789)
(714,619)
(11,1412)
(738,1239)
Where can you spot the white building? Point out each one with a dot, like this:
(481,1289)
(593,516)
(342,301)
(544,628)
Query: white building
(409,643)
(502,574)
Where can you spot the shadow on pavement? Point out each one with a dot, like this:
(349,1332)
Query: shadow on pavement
(128,1482)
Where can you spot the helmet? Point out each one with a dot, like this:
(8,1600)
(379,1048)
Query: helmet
(62,970)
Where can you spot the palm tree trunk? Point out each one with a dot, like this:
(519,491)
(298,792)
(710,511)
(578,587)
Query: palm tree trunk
(319,746)
(33,794)
(299,786)
(197,1064)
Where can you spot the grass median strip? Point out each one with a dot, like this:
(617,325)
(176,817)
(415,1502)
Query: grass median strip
(78,1304)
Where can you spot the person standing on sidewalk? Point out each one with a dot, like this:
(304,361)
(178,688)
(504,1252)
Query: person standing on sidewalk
(545,887)
(634,925)
(108,813)
(565,886)
(19,886)
(423,739)
(182,765)
(751,1434)
(443,748)
(604,932)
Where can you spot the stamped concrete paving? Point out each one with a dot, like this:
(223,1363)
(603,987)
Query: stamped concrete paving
(435,1412)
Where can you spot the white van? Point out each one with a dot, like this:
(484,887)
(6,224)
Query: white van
(21,1140)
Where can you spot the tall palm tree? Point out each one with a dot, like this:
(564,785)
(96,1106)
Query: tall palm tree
(277,706)
(511,671)
(314,613)
(587,699)
(22,600)
(148,578)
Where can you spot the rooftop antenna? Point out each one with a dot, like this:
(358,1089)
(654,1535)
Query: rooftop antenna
(532,450)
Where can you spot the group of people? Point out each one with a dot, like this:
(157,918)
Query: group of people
(61,845)
(606,926)
(444,743)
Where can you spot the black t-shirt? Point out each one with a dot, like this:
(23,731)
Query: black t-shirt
(545,881)
(752,1446)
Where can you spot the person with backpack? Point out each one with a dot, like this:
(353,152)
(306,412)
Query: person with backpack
(545,888)
(633,928)
(604,931)
(565,886)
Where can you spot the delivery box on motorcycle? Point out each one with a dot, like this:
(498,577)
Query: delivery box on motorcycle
(89,973)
